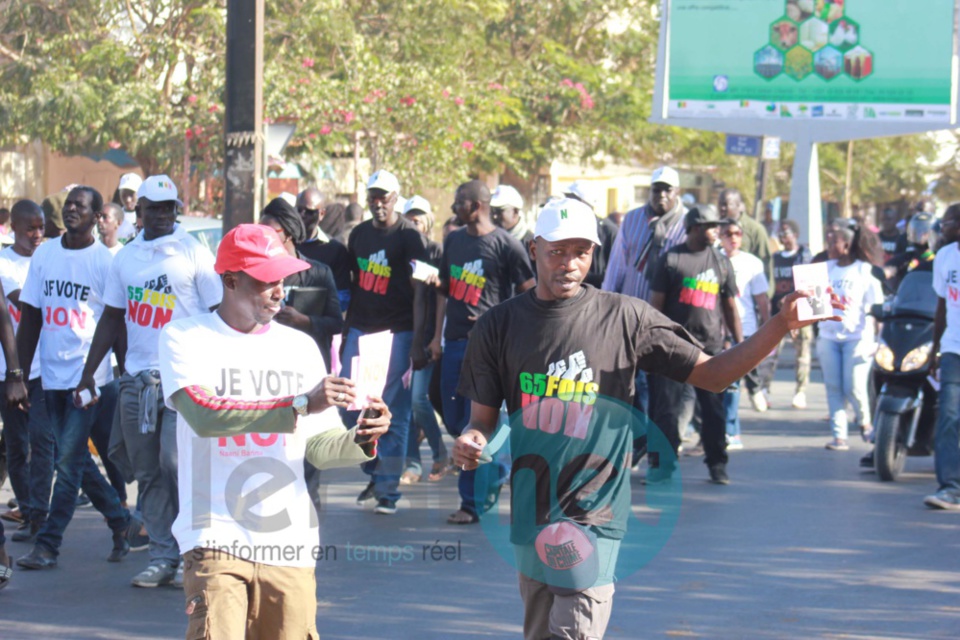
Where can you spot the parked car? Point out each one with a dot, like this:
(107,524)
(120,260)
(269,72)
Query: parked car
(208,231)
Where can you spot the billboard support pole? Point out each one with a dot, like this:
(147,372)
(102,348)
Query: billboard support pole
(805,203)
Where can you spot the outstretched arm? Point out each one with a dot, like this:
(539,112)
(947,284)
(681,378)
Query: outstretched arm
(718,372)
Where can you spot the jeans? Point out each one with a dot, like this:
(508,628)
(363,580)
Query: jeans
(153,458)
(668,408)
(456,416)
(947,441)
(846,373)
(731,409)
(30,452)
(76,469)
(392,446)
(424,419)
(100,434)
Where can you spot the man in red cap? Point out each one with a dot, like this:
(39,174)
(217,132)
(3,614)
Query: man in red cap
(252,400)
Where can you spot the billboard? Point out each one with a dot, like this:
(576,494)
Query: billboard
(866,60)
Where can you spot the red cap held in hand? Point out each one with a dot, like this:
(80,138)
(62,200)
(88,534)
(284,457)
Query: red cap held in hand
(257,251)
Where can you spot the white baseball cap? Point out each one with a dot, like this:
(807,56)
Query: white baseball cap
(666,175)
(418,203)
(400,204)
(130,182)
(159,189)
(506,196)
(582,191)
(384,180)
(565,219)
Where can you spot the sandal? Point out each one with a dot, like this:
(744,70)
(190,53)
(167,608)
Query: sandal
(462,517)
(439,469)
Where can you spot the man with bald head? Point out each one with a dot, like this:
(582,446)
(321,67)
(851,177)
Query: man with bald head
(108,226)
(312,207)
(384,297)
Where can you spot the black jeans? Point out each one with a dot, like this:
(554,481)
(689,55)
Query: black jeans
(667,406)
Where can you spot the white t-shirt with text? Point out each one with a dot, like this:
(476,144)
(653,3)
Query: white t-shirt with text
(858,289)
(158,281)
(244,495)
(946,283)
(13,273)
(66,285)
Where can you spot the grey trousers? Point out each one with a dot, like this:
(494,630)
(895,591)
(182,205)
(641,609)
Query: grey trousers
(152,457)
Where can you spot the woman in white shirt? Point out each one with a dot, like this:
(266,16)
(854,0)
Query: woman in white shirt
(846,347)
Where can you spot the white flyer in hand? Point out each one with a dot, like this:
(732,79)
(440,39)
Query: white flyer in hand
(422,270)
(370,366)
(813,278)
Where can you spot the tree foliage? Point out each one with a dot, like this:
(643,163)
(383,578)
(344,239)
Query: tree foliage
(433,89)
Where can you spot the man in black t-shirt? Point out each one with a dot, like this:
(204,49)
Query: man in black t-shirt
(562,356)
(482,264)
(695,287)
(891,239)
(384,297)
(312,207)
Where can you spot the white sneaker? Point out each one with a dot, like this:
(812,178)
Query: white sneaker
(800,400)
(734,443)
(759,401)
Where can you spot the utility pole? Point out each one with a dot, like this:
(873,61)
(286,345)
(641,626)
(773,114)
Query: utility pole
(243,158)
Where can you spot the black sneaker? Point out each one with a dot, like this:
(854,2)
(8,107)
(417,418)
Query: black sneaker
(27,532)
(718,474)
(38,558)
(866,462)
(366,495)
(386,507)
(83,501)
(120,546)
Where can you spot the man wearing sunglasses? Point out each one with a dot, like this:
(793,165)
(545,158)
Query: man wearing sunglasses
(312,207)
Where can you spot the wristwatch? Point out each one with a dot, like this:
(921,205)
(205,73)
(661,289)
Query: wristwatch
(300,403)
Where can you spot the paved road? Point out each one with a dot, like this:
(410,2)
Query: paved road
(800,545)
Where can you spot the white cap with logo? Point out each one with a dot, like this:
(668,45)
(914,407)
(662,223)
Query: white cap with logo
(400,205)
(159,189)
(582,191)
(130,182)
(506,196)
(385,181)
(417,203)
(666,175)
(566,219)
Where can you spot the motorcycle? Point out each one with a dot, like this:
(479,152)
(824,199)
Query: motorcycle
(905,415)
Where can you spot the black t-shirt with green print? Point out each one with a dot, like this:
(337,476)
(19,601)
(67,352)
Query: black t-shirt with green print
(566,371)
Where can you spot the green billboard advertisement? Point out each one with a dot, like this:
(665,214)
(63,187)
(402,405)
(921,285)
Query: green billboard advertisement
(858,59)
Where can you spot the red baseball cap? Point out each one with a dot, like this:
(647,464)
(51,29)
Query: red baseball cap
(257,251)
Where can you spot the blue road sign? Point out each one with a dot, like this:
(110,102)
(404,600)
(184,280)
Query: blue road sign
(743,145)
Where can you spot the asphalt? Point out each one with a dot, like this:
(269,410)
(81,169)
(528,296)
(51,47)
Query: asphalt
(801,544)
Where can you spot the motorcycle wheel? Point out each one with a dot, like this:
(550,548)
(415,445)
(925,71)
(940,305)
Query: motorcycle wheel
(890,453)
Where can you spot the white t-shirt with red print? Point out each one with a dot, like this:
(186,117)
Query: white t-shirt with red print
(66,285)
(158,281)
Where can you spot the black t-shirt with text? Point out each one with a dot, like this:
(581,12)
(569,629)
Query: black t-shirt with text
(382,293)
(566,370)
(695,284)
(892,243)
(783,264)
(479,272)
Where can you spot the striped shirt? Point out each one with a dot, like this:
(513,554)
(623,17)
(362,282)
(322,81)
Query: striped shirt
(629,270)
